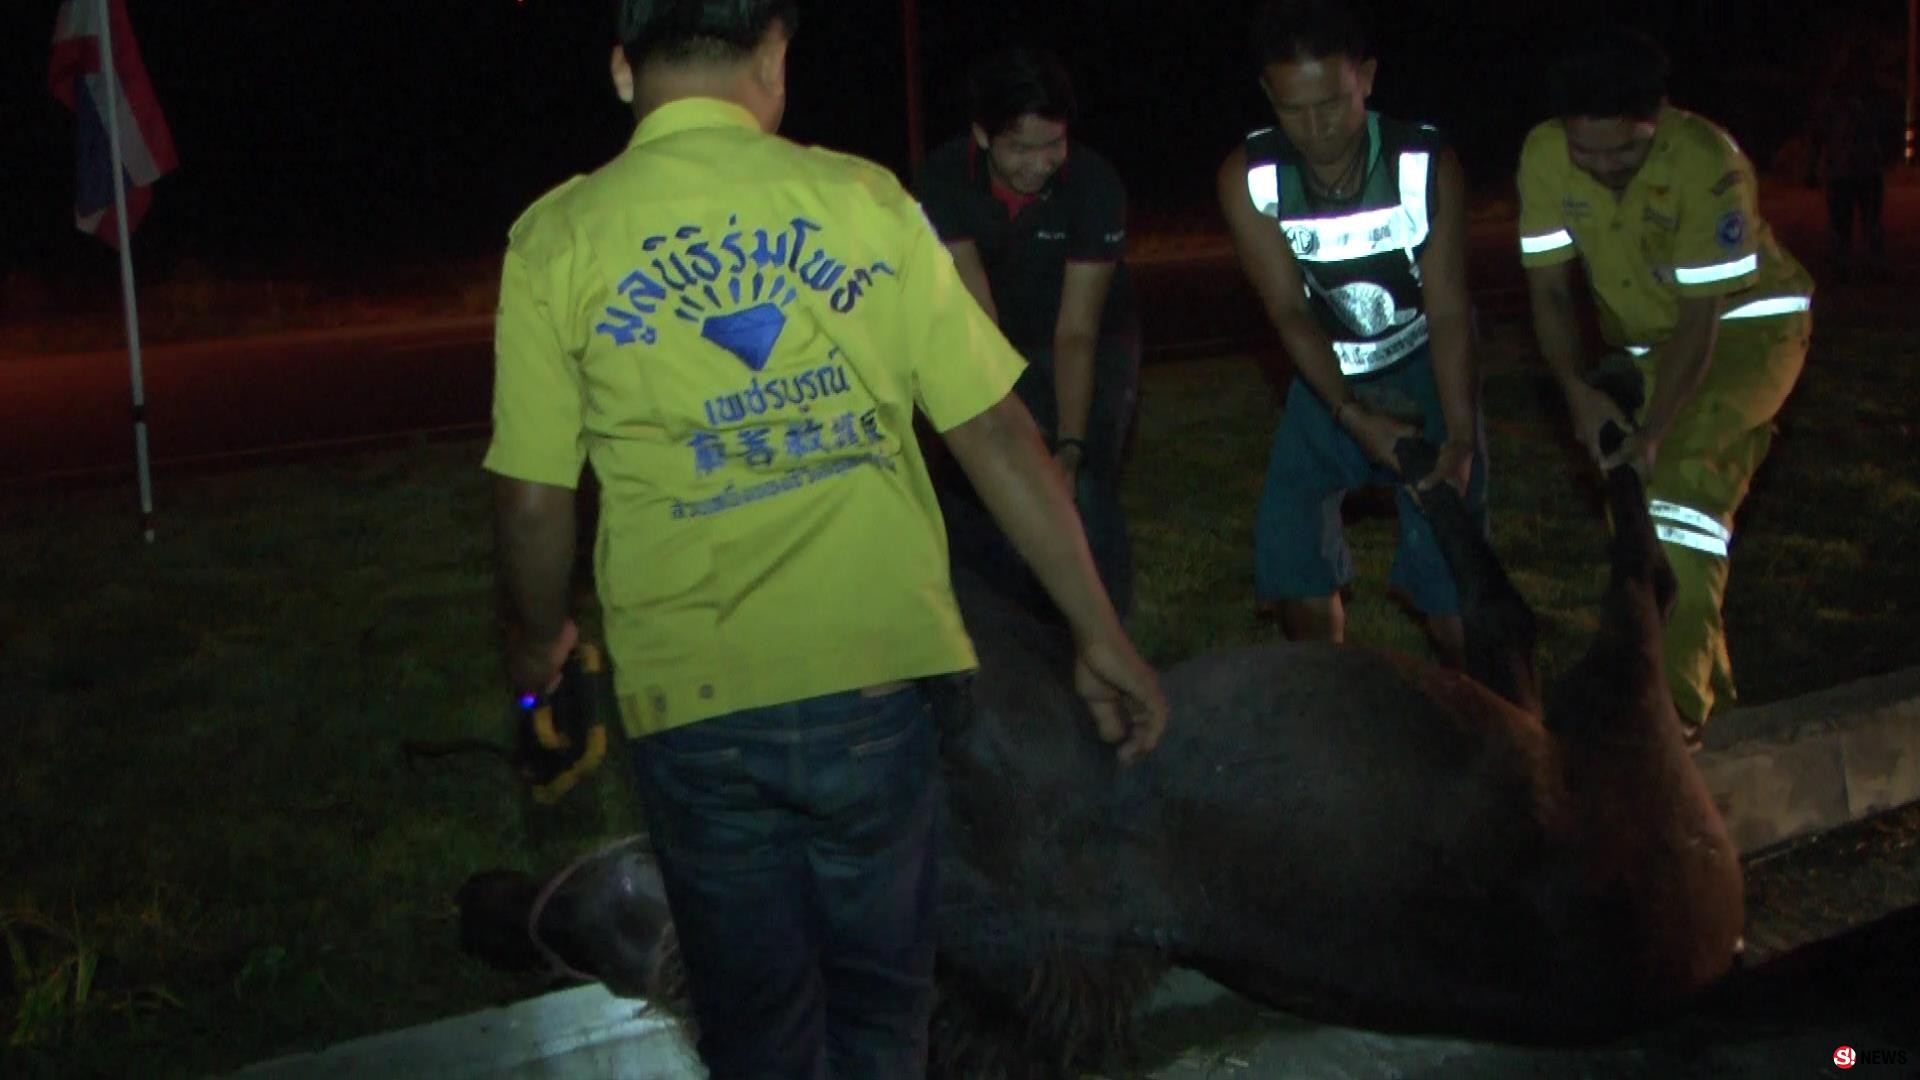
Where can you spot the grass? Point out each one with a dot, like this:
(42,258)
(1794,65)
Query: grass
(207,771)
(215,852)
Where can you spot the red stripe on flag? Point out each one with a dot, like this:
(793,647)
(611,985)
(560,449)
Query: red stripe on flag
(132,74)
(72,70)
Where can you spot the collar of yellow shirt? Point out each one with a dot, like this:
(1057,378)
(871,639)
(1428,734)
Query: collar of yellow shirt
(688,114)
(1656,173)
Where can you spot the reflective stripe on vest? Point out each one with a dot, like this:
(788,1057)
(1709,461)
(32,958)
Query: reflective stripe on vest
(1364,357)
(1689,528)
(1353,236)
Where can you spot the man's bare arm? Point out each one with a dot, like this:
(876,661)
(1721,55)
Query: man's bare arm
(1556,327)
(533,528)
(1446,298)
(1076,334)
(1003,456)
(1680,366)
(1556,321)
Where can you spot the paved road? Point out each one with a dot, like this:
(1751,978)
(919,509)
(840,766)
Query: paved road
(65,419)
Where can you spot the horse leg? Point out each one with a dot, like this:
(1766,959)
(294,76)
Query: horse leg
(1624,662)
(1500,627)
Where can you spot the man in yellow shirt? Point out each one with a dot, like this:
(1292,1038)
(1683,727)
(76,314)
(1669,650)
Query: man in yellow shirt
(735,331)
(1662,208)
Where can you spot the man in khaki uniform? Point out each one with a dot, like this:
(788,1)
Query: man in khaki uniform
(1662,207)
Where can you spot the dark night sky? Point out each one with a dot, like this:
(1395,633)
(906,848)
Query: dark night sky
(322,135)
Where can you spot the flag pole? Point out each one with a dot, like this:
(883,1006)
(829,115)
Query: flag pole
(916,118)
(1913,77)
(128,302)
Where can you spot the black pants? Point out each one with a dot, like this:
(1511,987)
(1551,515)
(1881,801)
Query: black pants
(1860,197)
(976,540)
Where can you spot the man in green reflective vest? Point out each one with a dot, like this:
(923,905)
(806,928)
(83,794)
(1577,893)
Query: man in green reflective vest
(1352,228)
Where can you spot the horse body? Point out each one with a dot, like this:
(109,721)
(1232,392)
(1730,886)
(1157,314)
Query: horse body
(1337,831)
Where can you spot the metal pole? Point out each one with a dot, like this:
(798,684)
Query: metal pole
(1913,81)
(916,120)
(132,310)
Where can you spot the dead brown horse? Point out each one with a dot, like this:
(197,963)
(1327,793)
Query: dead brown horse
(1337,831)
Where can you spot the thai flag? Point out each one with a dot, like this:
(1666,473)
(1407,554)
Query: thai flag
(76,78)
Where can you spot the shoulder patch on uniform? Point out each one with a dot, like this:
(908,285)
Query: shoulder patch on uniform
(1732,230)
(1726,183)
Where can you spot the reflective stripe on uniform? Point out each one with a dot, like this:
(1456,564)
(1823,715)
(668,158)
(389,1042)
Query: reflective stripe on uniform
(1691,518)
(1363,357)
(1689,528)
(1671,534)
(1707,275)
(1778,305)
(1545,242)
(1752,309)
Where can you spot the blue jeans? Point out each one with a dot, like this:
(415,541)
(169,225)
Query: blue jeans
(796,844)
(1299,540)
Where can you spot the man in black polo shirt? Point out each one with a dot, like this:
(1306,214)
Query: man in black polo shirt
(1037,227)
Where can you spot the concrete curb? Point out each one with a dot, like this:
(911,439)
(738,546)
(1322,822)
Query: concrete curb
(581,1032)
(1778,772)
(1784,771)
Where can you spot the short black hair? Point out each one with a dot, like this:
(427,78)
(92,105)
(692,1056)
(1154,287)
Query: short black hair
(700,31)
(1286,31)
(1007,85)
(1609,71)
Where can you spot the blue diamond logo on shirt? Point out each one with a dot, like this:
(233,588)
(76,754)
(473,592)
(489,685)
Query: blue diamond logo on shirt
(749,334)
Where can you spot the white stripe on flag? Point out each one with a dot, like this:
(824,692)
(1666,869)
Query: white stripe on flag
(135,156)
